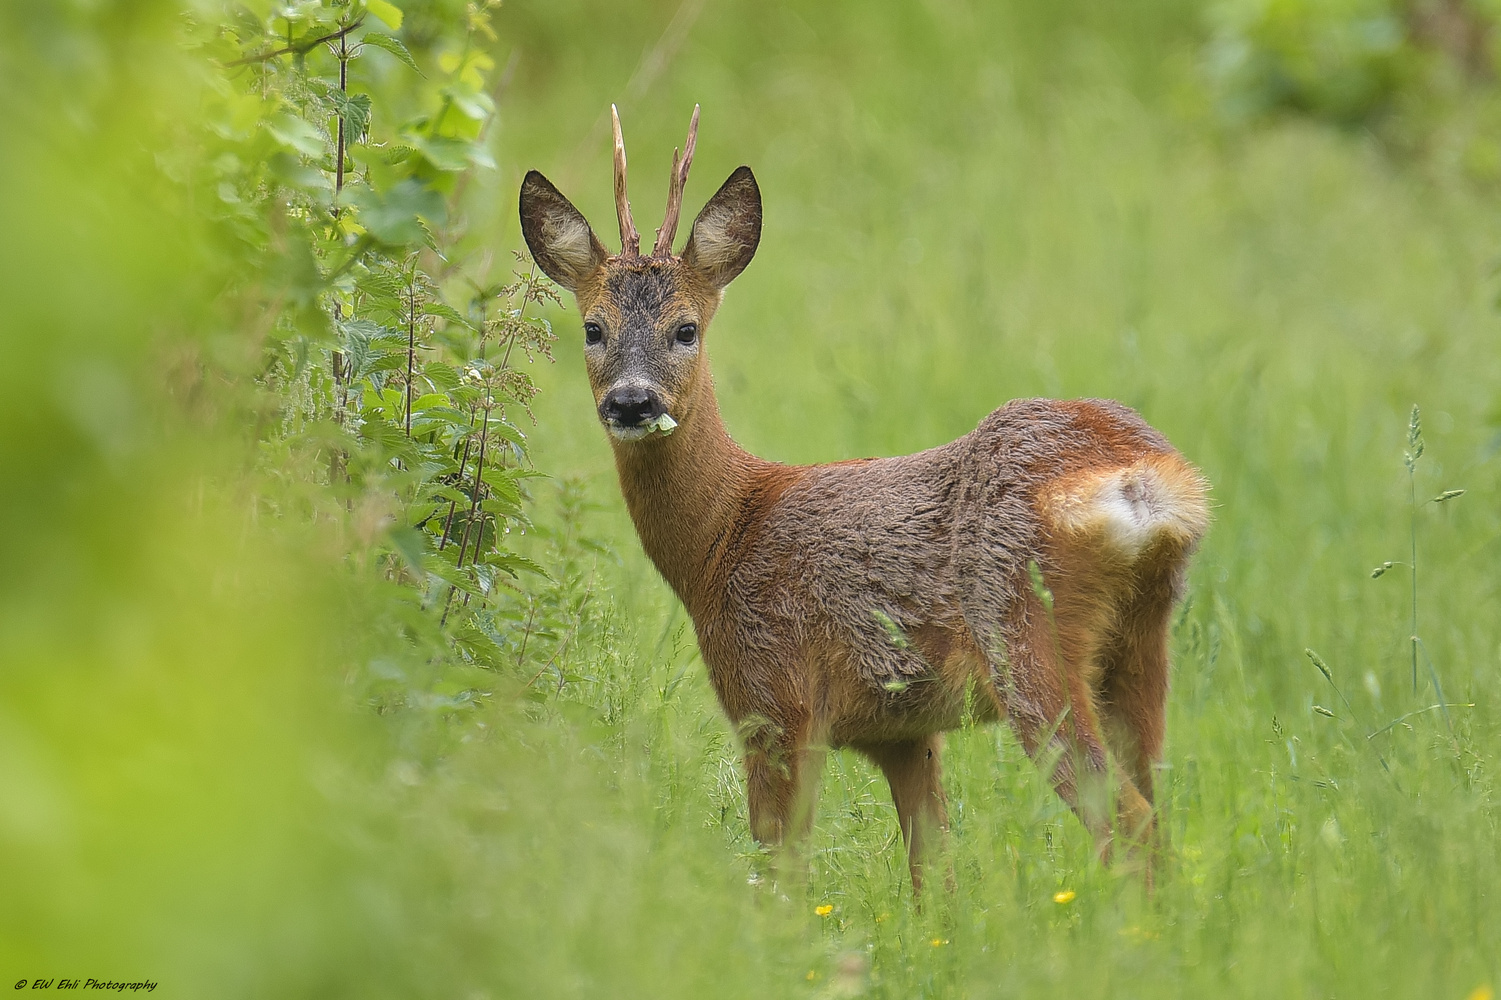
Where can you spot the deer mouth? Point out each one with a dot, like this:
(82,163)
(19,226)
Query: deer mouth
(662,425)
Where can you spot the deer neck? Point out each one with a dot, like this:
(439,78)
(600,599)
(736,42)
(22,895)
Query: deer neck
(686,492)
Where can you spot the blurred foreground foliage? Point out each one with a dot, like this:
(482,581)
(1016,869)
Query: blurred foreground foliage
(268,481)
(392,380)
(244,753)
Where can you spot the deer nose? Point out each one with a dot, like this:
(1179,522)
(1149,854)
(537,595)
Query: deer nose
(631,406)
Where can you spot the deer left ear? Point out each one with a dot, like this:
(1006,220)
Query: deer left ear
(727,231)
(559,237)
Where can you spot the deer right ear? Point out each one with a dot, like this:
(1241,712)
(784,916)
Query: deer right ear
(559,237)
(727,231)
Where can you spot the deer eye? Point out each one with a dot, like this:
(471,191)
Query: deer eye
(592,333)
(687,333)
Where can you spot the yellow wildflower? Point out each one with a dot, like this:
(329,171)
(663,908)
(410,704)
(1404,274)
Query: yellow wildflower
(824,910)
(939,942)
(1482,992)
(1065,896)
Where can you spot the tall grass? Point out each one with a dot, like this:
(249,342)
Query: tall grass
(964,203)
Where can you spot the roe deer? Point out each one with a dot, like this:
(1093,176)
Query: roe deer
(856,604)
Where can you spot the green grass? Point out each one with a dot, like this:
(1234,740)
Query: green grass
(963,205)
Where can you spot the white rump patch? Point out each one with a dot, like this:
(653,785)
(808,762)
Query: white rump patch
(1135,506)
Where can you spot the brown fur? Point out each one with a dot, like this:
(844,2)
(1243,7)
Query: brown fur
(854,604)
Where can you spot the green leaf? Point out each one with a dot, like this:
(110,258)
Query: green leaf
(503,485)
(393,45)
(510,562)
(355,110)
(386,11)
(451,155)
(386,434)
(291,171)
(504,430)
(441,375)
(500,506)
(452,495)
(427,400)
(395,217)
(436,307)
(296,133)
(446,414)
(411,545)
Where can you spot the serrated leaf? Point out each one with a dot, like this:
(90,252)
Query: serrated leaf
(384,433)
(503,487)
(393,45)
(452,495)
(355,110)
(422,513)
(510,562)
(398,153)
(441,375)
(500,506)
(435,307)
(504,430)
(448,415)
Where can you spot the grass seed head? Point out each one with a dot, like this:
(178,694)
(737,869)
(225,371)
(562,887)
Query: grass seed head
(1318,661)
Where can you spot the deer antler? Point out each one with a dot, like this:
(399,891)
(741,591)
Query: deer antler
(675,183)
(630,240)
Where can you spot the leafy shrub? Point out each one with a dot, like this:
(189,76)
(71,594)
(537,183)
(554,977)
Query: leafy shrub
(1339,60)
(392,394)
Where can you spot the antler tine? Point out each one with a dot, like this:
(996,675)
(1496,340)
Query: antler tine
(630,240)
(675,184)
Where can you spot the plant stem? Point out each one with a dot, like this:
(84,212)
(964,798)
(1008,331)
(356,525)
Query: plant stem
(298,49)
(411,346)
(479,467)
(343,89)
(453,504)
(1412,487)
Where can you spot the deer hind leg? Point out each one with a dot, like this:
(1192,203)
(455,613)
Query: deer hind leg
(913,769)
(1133,690)
(1052,705)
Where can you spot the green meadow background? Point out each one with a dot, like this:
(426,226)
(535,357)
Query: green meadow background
(965,203)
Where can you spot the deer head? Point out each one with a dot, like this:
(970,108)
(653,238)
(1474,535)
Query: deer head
(645,316)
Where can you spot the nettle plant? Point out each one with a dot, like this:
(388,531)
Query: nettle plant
(393,366)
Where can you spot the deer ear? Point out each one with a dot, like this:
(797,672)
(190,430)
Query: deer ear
(726,232)
(559,237)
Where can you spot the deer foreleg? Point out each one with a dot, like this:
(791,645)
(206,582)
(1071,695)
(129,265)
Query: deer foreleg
(914,771)
(781,781)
